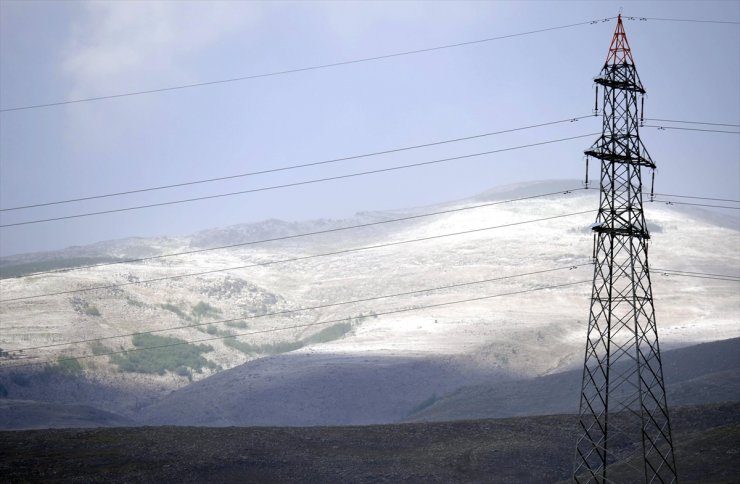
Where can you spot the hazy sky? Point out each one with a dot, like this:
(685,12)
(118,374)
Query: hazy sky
(56,51)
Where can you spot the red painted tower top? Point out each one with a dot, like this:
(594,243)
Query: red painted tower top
(619,50)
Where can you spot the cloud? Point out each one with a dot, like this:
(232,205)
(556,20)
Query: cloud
(348,20)
(122,46)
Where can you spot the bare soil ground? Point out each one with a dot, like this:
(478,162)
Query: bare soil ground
(528,449)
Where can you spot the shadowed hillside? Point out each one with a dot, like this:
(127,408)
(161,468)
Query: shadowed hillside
(698,374)
(337,390)
(26,414)
(333,389)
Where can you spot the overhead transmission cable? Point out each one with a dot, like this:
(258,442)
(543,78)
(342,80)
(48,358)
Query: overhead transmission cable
(668,272)
(310,308)
(292,167)
(673,195)
(306,325)
(300,183)
(294,259)
(698,275)
(701,277)
(681,128)
(692,122)
(295,236)
(705,205)
(349,227)
(323,162)
(696,198)
(720,277)
(301,69)
(342,63)
(691,20)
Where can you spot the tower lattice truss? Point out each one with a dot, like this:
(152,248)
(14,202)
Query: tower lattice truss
(625,431)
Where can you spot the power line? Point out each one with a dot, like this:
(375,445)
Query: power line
(691,122)
(306,325)
(682,20)
(697,273)
(293,259)
(292,167)
(722,278)
(311,308)
(662,271)
(696,198)
(324,162)
(703,275)
(287,237)
(670,202)
(343,63)
(339,229)
(300,69)
(680,196)
(661,128)
(294,184)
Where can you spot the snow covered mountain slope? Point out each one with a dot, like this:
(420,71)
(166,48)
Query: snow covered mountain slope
(516,326)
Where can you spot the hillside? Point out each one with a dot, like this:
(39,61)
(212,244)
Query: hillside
(532,449)
(26,414)
(303,389)
(704,373)
(299,390)
(420,353)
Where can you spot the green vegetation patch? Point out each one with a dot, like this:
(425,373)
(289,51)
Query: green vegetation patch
(69,366)
(83,307)
(26,268)
(333,332)
(236,324)
(166,354)
(176,309)
(99,348)
(203,310)
(264,349)
(91,310)
(246,348)
(197,312)
(134,302)
(63,366)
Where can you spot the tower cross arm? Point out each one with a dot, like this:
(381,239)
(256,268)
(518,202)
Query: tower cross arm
(616,158)
(621,84)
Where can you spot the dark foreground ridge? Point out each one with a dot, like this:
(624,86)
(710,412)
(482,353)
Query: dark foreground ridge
(527,449)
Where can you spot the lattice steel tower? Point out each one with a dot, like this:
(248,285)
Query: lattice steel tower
(625,432)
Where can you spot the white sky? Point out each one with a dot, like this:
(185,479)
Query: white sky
(54,51)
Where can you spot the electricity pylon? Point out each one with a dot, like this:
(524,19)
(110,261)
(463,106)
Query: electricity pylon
(625,432)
